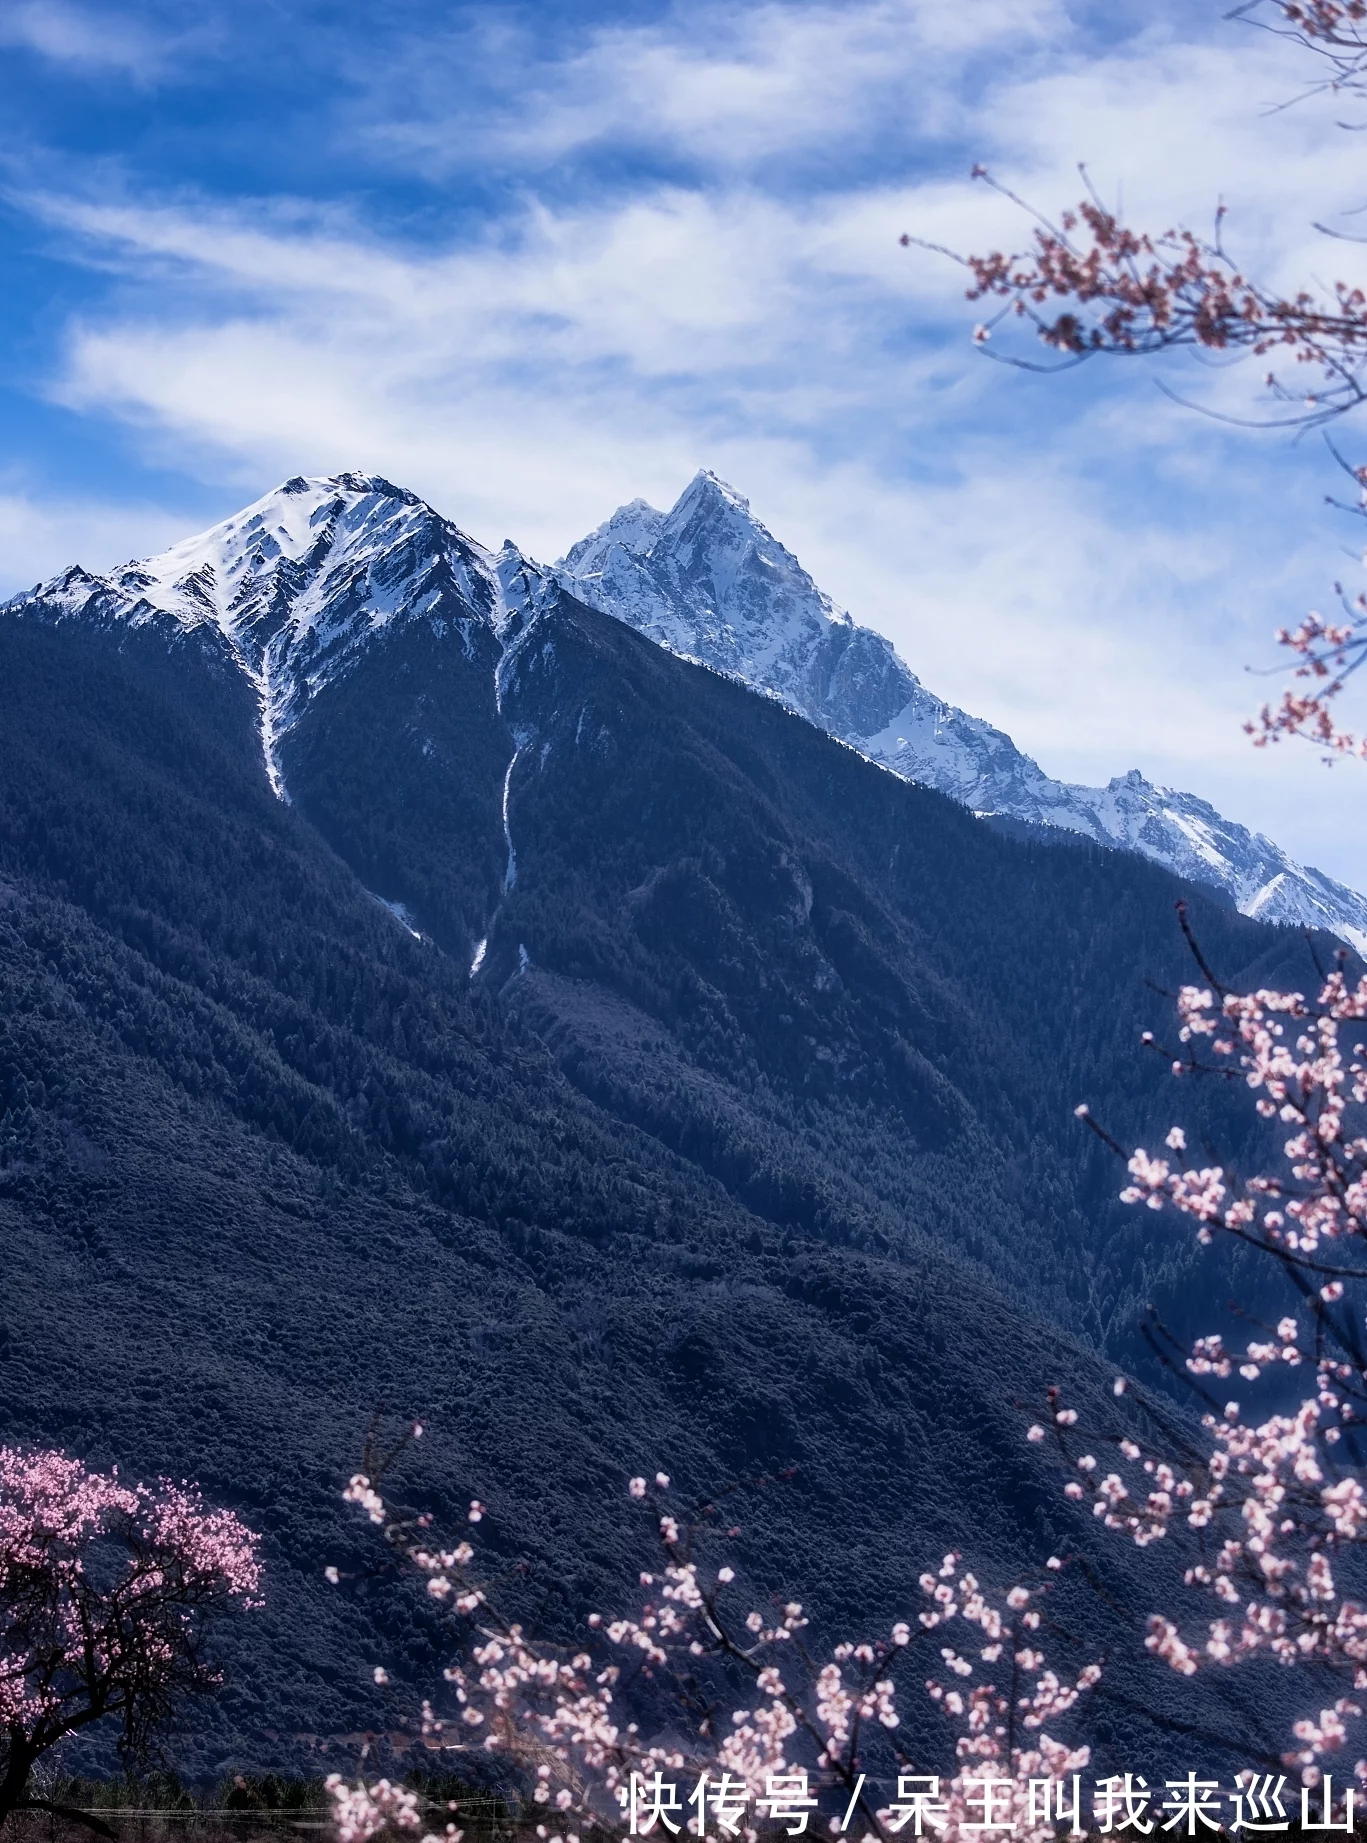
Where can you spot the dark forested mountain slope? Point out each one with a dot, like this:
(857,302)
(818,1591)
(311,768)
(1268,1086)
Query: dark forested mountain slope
(866,1013)
(749,1142)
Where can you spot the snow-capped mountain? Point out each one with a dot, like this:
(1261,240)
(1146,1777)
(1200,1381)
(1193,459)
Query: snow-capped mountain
(709,581)
(296,586)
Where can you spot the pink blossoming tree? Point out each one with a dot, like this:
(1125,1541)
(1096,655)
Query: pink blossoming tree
(1276,1505)
(105,1592)
(692,1648)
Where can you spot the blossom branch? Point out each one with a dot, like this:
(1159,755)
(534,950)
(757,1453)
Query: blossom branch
(553,1713)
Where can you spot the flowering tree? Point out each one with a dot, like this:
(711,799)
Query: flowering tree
(559,1718)
(105,1589)
(1276,1507)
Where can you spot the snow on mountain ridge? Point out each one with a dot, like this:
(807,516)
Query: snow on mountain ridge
(296,585)
(708,580)
(710,558)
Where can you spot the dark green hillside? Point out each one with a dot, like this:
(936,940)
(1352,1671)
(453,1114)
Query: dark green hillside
(868,1013)
(795,1181)
(402,771)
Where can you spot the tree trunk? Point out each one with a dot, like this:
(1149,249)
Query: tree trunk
(18,1764)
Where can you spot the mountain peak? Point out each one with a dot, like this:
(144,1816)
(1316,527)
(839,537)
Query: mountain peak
(352,481)
(297,582)
(715,513)
(631,530)
(230,574)
(707,488)
(713,583)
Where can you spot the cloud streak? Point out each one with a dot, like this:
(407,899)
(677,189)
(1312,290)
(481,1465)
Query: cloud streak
(87,42)
(724,89)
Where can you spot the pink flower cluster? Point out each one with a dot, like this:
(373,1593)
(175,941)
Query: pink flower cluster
(74,1639)
(361,1811)
(1277,1512)
(1090,284)
(1336,29)
(554,1713)
(1273,1503)
(1288,1051)
(986,1749)
(1328,651)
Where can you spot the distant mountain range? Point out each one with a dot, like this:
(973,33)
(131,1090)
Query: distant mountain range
(709,581)
(298,582)
(417,987)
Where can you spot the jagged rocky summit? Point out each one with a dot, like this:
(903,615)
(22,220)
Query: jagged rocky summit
(295,585)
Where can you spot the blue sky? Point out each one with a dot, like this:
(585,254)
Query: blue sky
(533,261)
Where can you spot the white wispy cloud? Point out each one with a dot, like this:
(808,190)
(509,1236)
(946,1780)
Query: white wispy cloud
(724,87)
(86,39)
